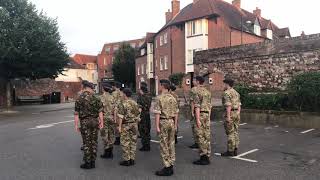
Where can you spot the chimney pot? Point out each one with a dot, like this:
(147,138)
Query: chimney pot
(257,12)
(237,3)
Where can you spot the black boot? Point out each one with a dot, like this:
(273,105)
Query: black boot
(82,148)
(132,162)
(204,160)
(194,146)
(145,148)
(108,154)
(227,154)
(176,139)
(117,142)
(86,165)
(167,171)
(93,164)
(125,163)
(235,152)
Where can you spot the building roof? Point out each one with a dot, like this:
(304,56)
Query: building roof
(72,64)
(284,32)
(219,8)
(83,59)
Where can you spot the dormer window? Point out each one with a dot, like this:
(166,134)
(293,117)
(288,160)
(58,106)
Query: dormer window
(269,34)
(143,52)
(257,28)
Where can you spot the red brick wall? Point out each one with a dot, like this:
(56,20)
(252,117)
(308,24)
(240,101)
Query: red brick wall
(246,38)
(178,49)
(139,62)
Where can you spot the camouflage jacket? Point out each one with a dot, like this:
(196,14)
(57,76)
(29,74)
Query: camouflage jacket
(166,105)
(176,97)
(118,98)
(108,104)
(231,98)
(88,105)
(192,94)
(129,111)
(202,99)
(144,102)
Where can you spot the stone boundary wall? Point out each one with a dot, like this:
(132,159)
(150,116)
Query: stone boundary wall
(266,65)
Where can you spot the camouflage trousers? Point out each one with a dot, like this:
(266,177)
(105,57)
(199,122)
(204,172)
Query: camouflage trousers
(167,142)
(128,136)
(204,135)
(194,131)
(90,141)
(232,131)
(108,133)
(144,129)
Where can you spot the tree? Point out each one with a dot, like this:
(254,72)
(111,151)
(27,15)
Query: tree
(30,44)
(177,78)
(123,67)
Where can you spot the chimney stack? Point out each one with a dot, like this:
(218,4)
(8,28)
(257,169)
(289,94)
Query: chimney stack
(237,3)
(168,16)
(175,7)
(257,12)
(195,1)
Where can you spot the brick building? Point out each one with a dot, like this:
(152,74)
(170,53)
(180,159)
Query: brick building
(202,25)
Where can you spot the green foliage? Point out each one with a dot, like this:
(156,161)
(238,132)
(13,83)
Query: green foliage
(123,67)
(304,91)
(303,94)
(30,44)
(177,78)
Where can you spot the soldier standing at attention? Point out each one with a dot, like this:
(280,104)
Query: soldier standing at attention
(129,116)
(144,102)
(173,93)
(108,133)
(118,97)
(193,120)
(88,108)
(202,105)
(166,110)
(232,104)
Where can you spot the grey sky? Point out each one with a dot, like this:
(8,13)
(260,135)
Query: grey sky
(85,25)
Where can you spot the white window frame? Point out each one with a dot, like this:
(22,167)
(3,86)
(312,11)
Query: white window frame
(165,38)
(195,27)
(138,69)
(142,69)
(269,34)
(104,61)
(165,62)
(161,64)
(115,47)
(156,43)
(108,49)
(143,52)
(151,66)
(161,40)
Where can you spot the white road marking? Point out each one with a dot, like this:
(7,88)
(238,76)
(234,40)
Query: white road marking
(217,154)
(246,153)
(286,131)
(243,124)
(244,159)
(155,141)
(35,113)
(180,137)
(276,126)
(303,132)
(50,125)
(69,116)
(187,121)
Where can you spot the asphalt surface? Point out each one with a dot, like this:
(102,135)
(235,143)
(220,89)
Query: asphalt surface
(42,144)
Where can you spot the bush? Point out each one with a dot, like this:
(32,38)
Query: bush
(304,91)
(270,101)
(177,78)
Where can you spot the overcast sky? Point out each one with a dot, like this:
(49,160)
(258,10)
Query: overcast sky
(85,25)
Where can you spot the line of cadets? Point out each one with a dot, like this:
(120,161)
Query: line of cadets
(115,112)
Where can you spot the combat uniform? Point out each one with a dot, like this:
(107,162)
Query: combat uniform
(144,102)
(202,100)
(108,133)
(232,98)
(193,93)
(88,107)
(178,101)
(118,99)
(167,106)
(130,115)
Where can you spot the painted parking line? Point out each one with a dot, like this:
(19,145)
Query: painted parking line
(155,141)
(244,159)
(240,156)
(243,124)
(43,126)
(304,132)
(187,121)
(246,153)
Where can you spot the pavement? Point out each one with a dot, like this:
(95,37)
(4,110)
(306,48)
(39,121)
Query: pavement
(41,144)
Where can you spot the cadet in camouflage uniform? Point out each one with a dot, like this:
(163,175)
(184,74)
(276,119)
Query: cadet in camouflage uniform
(173,93)
(144,102)
(118,97)
(202,104)
(232,104)
(129,116)
(88,108)
(108,133)
(193,120)
(166,110)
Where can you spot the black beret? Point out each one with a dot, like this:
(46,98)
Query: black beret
(200,79)
(127,92)
(165,81)
(173,87)
(230,82)
(144,89)
(88,84)
(143,84)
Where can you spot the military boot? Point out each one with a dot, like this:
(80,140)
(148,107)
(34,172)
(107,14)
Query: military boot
(166,171)
(106,154)
(145,148)
(125,163)
(194,146)
(235,152)
(93,164)
(228,154)
(86,165)
(204,160)
(176,139)
(132,162)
